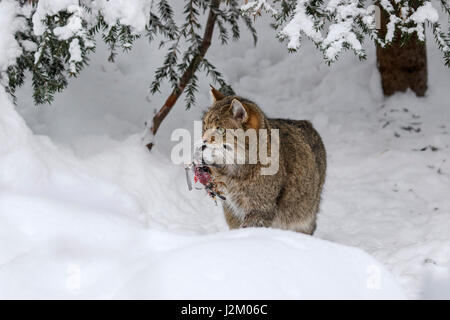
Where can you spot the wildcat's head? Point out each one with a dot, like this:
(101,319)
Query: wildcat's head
(229,130)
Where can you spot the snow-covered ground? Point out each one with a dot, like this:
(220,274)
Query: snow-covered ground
(86,211)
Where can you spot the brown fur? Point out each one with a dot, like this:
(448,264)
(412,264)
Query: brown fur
(289,199)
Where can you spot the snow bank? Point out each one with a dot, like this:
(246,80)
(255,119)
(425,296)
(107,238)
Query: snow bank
(64,234)
(262,264)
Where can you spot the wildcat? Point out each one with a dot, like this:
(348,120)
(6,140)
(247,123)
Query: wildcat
(288,199)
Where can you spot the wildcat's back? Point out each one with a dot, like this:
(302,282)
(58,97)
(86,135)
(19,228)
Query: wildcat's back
(303,155)
(312,137)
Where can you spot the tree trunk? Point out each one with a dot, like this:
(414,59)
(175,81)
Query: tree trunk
(402,66)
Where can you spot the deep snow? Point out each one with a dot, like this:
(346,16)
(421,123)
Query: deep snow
(86,211)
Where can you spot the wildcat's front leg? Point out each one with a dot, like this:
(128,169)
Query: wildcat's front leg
(258,219)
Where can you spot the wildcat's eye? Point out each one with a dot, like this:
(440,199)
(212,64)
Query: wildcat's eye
(220,130)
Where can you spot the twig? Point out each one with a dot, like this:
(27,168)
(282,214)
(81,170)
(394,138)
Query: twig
(187,75)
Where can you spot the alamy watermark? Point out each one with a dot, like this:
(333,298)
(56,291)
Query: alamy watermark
(221,147)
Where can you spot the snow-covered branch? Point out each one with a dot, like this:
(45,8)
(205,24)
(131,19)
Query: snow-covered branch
(335,25)
(53,38)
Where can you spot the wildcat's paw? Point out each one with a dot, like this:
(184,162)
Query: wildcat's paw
(221,187)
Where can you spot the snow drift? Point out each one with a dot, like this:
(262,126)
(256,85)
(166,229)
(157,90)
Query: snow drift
(63,235)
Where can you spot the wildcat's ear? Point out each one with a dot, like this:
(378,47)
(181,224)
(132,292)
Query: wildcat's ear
(239,111)
(216,94)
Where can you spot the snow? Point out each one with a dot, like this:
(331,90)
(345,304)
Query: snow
(29,45)
(338,35)
(287,266)
(257,6)
(135,13)
(301,22)
(425,13)
(117,258)
(49,7)
(75,54)
(339,22)
(391,27)
(87,212)
(73,26)
(437,283)
(9,24)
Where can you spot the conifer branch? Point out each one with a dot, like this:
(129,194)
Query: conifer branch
(188,73)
